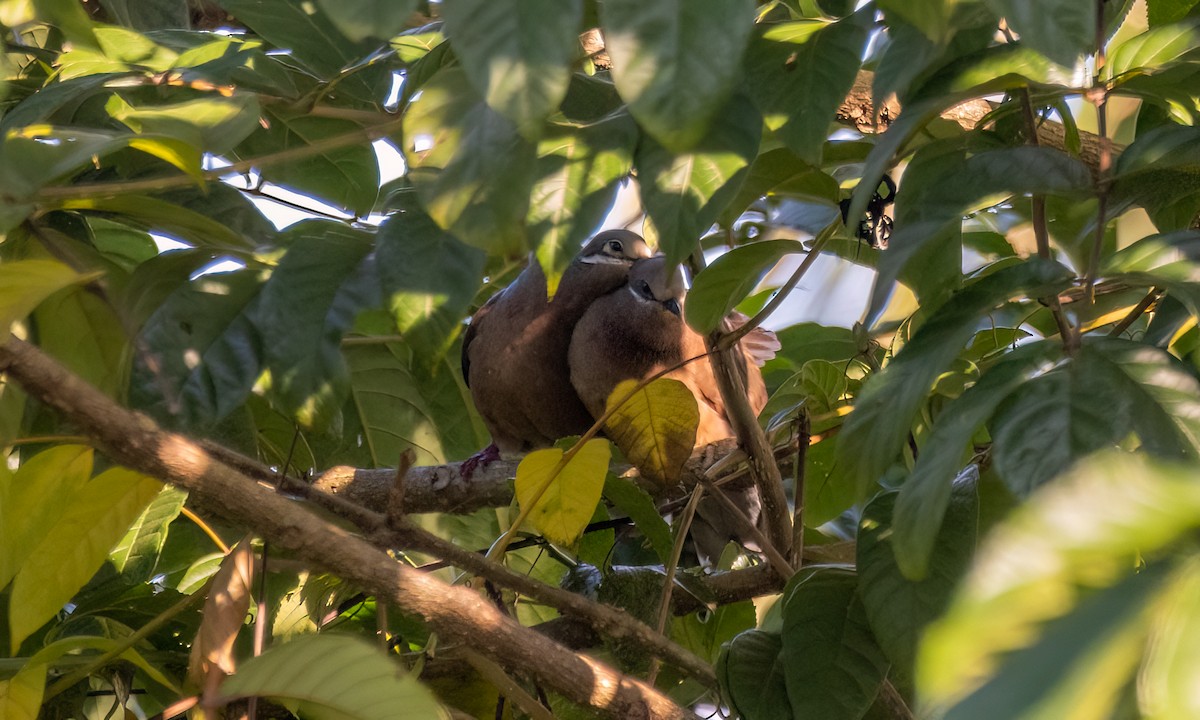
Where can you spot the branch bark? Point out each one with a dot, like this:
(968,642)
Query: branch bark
(456,614)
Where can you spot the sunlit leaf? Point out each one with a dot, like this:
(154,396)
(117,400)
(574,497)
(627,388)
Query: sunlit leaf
(136,553)
(675,62)
(92,522)
(1172,663)
(212,124)
(561,505)
(334,676)
(721,286)
(26,283)
(1151,50)
(655,427)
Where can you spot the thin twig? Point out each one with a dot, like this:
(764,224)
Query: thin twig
(1136,312)
(664,604)
(1098,95)
(803,438)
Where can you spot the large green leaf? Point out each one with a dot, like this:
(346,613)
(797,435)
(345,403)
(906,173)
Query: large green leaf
(751,672)
(95,518)
(877,429)
(578,172)
(333,676)
(931,17)
(1172,661)
(675,62)
(1158,170)
(1153,49)
(33,496)
(69,17)
(516,53)
(212,124)
(26,283)
(683,194)
(899,608)
(429,278)
(1062,30)
(119,50)
(305,308)
(779,172)
(471,167)
(627,497)
(926,495)
(347,177)
(149,14)
(832,665)
(721,286)
(1079,532)
(136,554)
(362,19)
(799,73)
(195,226)
(84,333)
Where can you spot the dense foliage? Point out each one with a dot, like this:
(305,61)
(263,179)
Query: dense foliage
(1009,441)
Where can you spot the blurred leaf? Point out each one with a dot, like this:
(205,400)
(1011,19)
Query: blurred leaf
(305,308)
(148,14)
(798,74)
(833,667)
(579,171)
(33,496)
(1062,30)
(684,194)
(1171,665)
(362,19)
(926,495)
(119,50)
(706,633)
(333,676)
(91,523)
(655,427)
(26,283)
(1151,50)
(635,502)
(675,63)
(751,671)
(560,507)
(429,278)
(136,554)
(1081,532)
(931,18)
(70,17)
(471,168)
(719,288)
(876,431)
(516,53)
(899,608)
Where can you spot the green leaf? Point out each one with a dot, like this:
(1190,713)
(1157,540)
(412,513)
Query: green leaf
(516,53)
(751,672)
(1163,12)
(347,177)
(877,429)
(898,608)
(1158,169)
(83,332)
(69,17)
(471,167)
(706,633)
(1166,680)
(305,308)
(1079,532)
(120,50)
(26,283)
(931,17)
(719,288)
(833,667)
(137,553)
(683,194)
(637,504)
(798,74)
(90,524)
(655,426)
(578,173)
(333,676)
(780,173)
(1062,30)
(926,493)
(429,278)
(362,19)
(33,496)
(21,695)
(560,505)
(212,124)
(149,14)
(155,214)
(1152,50)
(675,62)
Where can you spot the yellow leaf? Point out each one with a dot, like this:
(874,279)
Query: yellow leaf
(655,427)
(559,505)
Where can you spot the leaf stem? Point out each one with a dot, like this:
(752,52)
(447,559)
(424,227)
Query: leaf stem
(664,605)
(803,438)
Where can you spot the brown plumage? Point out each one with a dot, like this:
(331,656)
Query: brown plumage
(638,331)
(514,352)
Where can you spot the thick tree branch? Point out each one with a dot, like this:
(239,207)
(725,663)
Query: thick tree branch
(456,614)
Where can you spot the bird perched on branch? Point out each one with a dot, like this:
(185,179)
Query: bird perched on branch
(638,331)
(514,355)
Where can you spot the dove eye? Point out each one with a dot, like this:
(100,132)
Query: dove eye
(615,246)
(644,289)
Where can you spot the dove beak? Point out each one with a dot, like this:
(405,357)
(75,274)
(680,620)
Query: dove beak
(672,305)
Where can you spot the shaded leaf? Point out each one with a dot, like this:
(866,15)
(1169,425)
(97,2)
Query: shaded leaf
(719,288)
(655,427)
(26,283)
(675,62)
(148,14)
(516,53)
(638,505)
(560,505)
(362,19)
(1062,30)
(333,676)
(751,672)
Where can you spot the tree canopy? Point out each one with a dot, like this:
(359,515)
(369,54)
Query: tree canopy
(233,439)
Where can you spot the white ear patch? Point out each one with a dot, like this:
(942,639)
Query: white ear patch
(602,259)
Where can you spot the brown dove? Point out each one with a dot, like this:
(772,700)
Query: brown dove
(638,331)
(514,355)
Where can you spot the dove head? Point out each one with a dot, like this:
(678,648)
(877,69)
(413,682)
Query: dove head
(653,281)
(614,247)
